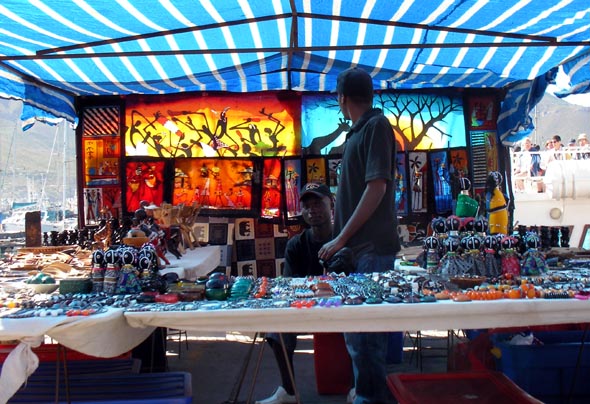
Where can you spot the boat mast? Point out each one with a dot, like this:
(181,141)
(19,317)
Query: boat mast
(64,178)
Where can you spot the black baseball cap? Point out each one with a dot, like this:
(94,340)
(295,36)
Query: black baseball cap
(315,189)
(355,82)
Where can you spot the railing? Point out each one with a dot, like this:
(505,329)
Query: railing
(552,171)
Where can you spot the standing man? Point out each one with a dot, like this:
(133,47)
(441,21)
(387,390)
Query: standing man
(365,218)
(301,260)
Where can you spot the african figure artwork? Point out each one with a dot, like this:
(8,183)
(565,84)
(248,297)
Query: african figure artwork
(212,126)
(271,189)
(439,166)
(214,183)
(418,180)
(145,182)
(292,175)
(92,205)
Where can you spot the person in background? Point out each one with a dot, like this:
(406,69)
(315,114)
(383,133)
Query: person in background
(365,219)
(523,164)
(584,148)
(558,152)
(549,145)
(301,260)
(572,143)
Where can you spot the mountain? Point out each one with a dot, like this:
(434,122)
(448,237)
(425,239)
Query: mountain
(554,116)
(27,164)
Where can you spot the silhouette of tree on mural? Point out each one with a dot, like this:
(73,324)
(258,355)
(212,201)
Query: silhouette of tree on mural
(417,115)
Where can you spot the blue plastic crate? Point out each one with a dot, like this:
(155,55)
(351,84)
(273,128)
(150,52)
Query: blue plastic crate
(145,388)
(93,367)
(474,333)
(547,369)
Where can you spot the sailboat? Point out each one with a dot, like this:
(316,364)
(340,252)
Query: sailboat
(55,216)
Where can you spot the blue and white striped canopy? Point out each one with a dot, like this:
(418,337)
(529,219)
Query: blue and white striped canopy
(97,47)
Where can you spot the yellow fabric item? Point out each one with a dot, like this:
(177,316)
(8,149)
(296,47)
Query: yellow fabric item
(498,219)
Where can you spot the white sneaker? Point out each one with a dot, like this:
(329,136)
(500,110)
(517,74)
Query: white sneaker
(351,396)
(280,396)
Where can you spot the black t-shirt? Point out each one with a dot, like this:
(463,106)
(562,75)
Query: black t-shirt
(301,256)
(369,154)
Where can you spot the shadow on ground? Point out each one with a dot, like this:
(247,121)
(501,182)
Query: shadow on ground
(216,361)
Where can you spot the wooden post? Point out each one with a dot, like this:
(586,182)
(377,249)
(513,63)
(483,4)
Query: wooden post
(33,229)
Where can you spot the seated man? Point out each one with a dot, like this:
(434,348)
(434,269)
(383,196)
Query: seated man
(301,260)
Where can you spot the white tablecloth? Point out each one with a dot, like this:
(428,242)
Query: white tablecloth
(103,335)
(194,263)
(442,315)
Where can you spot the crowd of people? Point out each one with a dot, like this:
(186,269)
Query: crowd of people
(531,162)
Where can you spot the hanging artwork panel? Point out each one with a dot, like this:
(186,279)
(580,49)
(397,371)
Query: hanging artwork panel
(334,167)
(100,146)
(424,121)
(419,121)
(222,185)
(315,170)
(111,202)
(145,182)
(212,126)
(483,113)
(482,144)
(458,168)
(271,189)
(401,185)
(418,180)
(101,161)
(292,175)
(93,203)
(439,167)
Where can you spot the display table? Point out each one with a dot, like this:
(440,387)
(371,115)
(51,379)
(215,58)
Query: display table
(442,315)
(104,335)
(194,263)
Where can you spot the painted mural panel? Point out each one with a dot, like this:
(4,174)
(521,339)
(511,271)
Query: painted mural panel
(221,184)
(145,182)
(323,127)
(423,121)
(212,126)
(420,122)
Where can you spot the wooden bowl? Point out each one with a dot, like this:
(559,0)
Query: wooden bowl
(468,282)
